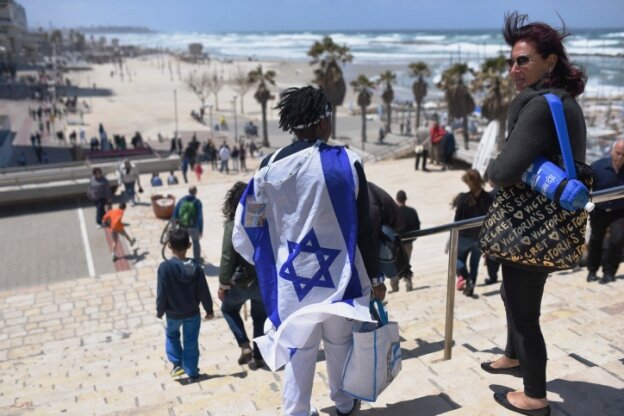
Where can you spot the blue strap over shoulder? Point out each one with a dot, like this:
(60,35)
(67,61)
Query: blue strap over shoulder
(556,108)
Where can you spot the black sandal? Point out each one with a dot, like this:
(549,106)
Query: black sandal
(511,371)
(501,398)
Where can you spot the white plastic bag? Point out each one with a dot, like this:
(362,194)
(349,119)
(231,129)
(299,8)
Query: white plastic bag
(374,360)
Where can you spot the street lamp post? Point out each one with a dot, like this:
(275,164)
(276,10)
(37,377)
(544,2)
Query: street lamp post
(92,92)
(235,122)
(175,104)
(54,79)
(211,123)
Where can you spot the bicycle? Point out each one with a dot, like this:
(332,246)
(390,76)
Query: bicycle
(172,225)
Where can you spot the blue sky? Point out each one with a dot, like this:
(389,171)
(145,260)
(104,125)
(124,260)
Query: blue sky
(278,15)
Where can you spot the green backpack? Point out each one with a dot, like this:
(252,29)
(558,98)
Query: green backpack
(188,213)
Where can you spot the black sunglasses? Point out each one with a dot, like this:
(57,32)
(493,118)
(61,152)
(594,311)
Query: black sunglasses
(521,60)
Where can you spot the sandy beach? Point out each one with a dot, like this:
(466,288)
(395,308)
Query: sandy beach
(144,101)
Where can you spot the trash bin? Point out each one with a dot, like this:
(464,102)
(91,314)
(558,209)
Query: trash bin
(163,206)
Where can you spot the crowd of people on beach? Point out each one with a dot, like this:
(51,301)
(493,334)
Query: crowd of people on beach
(223,158)
(50,119)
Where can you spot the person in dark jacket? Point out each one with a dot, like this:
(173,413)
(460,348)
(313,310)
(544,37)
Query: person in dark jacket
(384,211)
(608,173)
(99,192)
(448,148)
(234,294)
(412,223)
(538,65)
(181,288)
(471,204)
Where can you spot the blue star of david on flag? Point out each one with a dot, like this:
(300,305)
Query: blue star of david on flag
(325,257)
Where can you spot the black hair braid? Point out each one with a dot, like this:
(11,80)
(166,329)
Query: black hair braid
(300,106)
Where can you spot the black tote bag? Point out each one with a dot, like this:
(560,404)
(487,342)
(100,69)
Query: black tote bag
(523,227)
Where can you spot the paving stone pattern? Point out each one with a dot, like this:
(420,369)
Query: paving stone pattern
(92,346)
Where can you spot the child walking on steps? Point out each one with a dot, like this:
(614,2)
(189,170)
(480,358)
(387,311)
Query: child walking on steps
(181,288)
(112,219)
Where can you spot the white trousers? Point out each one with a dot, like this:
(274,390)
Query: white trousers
(336,333)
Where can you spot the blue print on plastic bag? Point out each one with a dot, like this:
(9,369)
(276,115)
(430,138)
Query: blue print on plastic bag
(394,360)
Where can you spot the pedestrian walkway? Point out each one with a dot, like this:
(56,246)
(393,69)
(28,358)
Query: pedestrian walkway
(92,346)
(23,125)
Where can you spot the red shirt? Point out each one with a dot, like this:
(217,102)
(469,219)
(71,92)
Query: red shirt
(437,133)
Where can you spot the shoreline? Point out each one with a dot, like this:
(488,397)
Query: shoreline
(143,101)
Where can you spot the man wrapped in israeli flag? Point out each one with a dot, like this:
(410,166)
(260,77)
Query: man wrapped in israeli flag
(303,223)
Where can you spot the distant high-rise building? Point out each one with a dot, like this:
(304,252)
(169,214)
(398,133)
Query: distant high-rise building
(13,27)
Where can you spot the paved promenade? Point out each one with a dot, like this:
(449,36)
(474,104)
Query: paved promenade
(92,345)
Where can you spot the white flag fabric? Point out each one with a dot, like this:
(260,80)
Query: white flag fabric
(297,222)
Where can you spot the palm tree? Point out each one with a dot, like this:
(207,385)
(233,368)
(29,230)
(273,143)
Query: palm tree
(499,94)
(419,70)
(388,77)
(56,37)
(460,102)
(80,42)
(263,95)
(363,86)
(329,76)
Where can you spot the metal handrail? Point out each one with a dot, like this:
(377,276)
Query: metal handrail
(404,144)
(604,195)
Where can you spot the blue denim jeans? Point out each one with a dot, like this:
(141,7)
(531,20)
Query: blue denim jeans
(224,166)
(194,234)
(466,246)
(130,192)
(186,356)
(231,306)
(100,210)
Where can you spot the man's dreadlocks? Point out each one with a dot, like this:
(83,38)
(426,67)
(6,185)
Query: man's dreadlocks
(300,108)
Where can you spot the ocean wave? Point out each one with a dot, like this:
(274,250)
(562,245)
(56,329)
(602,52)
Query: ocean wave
(592,43)
(264,44)
(590,48)
(614,35)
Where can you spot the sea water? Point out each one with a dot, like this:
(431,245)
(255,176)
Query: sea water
(600,51)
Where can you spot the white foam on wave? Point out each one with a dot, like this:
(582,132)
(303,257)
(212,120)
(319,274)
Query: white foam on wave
(592,43)
(614,35)
(384,48)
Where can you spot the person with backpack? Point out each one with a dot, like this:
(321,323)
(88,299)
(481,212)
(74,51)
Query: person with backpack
(238,283)
(385,213)
(188,212)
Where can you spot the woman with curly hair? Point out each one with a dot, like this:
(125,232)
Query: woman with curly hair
(238,283)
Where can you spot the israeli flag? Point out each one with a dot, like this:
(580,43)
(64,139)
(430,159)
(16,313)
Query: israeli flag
(297,222)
